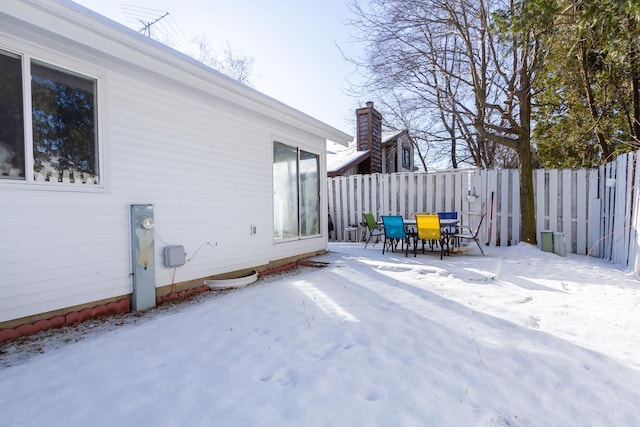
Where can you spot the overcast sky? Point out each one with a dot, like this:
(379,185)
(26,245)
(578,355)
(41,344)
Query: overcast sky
(294,44)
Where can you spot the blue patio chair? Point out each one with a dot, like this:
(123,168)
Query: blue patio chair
(449,215)
(395,232)
(448,230)
(373,228)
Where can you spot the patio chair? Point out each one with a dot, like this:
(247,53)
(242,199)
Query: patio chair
(429,230)
(466,233)
(449,215)
(395,232)
(372,227)
(448,230)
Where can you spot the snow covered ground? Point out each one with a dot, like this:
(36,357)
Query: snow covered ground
(517,338)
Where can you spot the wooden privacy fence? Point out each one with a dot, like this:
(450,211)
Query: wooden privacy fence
(595,210)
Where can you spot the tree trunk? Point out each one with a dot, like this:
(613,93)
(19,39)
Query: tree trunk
(527,201)
(591,103)
(634,65)
(525,160)
(635,84)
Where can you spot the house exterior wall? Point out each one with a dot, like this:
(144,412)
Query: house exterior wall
(392,153)
(196,145)
(405,144)
(389,158)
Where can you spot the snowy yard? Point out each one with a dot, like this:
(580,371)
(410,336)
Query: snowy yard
(517,338)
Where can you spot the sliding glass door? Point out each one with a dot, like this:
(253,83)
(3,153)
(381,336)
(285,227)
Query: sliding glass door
(296,192)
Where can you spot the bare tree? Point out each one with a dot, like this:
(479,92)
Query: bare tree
(228,61)
(410,73)
(470,65)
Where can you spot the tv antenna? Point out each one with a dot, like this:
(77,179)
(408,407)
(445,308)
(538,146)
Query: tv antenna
(146,29)
(145,18)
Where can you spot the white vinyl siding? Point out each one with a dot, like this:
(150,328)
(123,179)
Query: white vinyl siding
(173,134)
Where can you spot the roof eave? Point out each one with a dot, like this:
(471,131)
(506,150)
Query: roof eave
(349,165)
(130,44)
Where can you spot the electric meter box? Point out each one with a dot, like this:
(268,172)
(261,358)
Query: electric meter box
(174,256)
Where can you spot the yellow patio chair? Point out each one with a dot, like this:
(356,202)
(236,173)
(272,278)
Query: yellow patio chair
(429,229)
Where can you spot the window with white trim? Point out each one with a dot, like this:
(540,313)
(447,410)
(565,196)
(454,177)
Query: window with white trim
(11,118)
(63,129)
(296,192)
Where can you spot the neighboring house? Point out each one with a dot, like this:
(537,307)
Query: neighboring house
(373,151)
(114,148)
(397,151)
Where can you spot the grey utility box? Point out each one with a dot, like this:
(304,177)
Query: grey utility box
(559,247)
(174,256)
(142,257)
(553,241)
(546,241)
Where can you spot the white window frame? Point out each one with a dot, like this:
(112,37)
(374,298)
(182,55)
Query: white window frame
(299,147)
(406,151)
(56,60)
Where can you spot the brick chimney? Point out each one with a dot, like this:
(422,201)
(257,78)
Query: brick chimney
(369,137)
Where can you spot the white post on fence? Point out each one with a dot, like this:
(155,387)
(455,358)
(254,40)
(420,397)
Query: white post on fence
(569,206)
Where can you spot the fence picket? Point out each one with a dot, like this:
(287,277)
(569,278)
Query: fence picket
(595,207)
(492,188)
(569,208)
(579,205)
(553,193)
(420,204)
(432,191)
(539,191)
(502,230)
(515,205)
(411,193)
(620,200)
(628,201)
(607,200)
(331,205)
(373,194)
(634,250)
(403,195)
(448,188)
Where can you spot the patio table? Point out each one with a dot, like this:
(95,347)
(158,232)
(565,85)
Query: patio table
(444,223)
(445,226)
